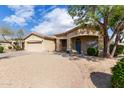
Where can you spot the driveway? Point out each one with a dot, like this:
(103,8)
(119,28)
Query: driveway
(13,54)
(28,70)
(39,70)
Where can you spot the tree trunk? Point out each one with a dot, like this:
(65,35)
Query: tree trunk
(116,44)
(106,37)
(113,50)
(4,37)
(106,47)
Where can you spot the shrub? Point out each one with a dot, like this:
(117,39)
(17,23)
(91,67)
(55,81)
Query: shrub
(117,80)
(119,49)
(9,47)
(17,48)
(1,49)
(92,51)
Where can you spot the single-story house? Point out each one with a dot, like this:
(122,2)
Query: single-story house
(36,42)
(78,39)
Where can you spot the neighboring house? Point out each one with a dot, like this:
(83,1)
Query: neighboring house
(78,39)
(36,42)
(5,44)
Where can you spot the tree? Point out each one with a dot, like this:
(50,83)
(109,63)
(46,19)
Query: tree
(121,37)
(101,18)
(5,31)
(19,37)
(20,34)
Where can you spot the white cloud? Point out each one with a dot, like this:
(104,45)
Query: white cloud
(21,15)
(56,21)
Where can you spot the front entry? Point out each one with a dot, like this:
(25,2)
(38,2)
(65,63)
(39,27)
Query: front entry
(78,46)
(63,44)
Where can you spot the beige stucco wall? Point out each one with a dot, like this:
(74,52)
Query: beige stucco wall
(58,48)
(49,45)
(46,45)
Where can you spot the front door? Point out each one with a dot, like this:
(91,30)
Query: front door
(78,46)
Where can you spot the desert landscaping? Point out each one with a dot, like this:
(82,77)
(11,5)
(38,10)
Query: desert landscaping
(27,69)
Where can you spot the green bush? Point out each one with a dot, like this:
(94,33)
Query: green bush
(1,49)
(17,48)
(92,51)
(119,49)
(117,80)
(9,47)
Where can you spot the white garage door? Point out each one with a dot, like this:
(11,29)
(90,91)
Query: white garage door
(34,47)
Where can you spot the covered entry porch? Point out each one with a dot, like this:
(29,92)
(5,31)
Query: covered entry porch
(81,43)
(77,43)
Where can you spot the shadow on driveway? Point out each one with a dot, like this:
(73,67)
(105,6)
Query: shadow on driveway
(4,57)
(101,80)
(79,57)
(13,54)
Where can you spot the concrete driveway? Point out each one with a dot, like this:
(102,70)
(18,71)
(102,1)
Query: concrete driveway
(26,69)
(13,54)
(23,69)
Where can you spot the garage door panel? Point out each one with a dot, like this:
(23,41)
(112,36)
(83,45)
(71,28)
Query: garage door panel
(34,47)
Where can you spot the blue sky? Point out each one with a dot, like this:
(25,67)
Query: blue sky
(43,19)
